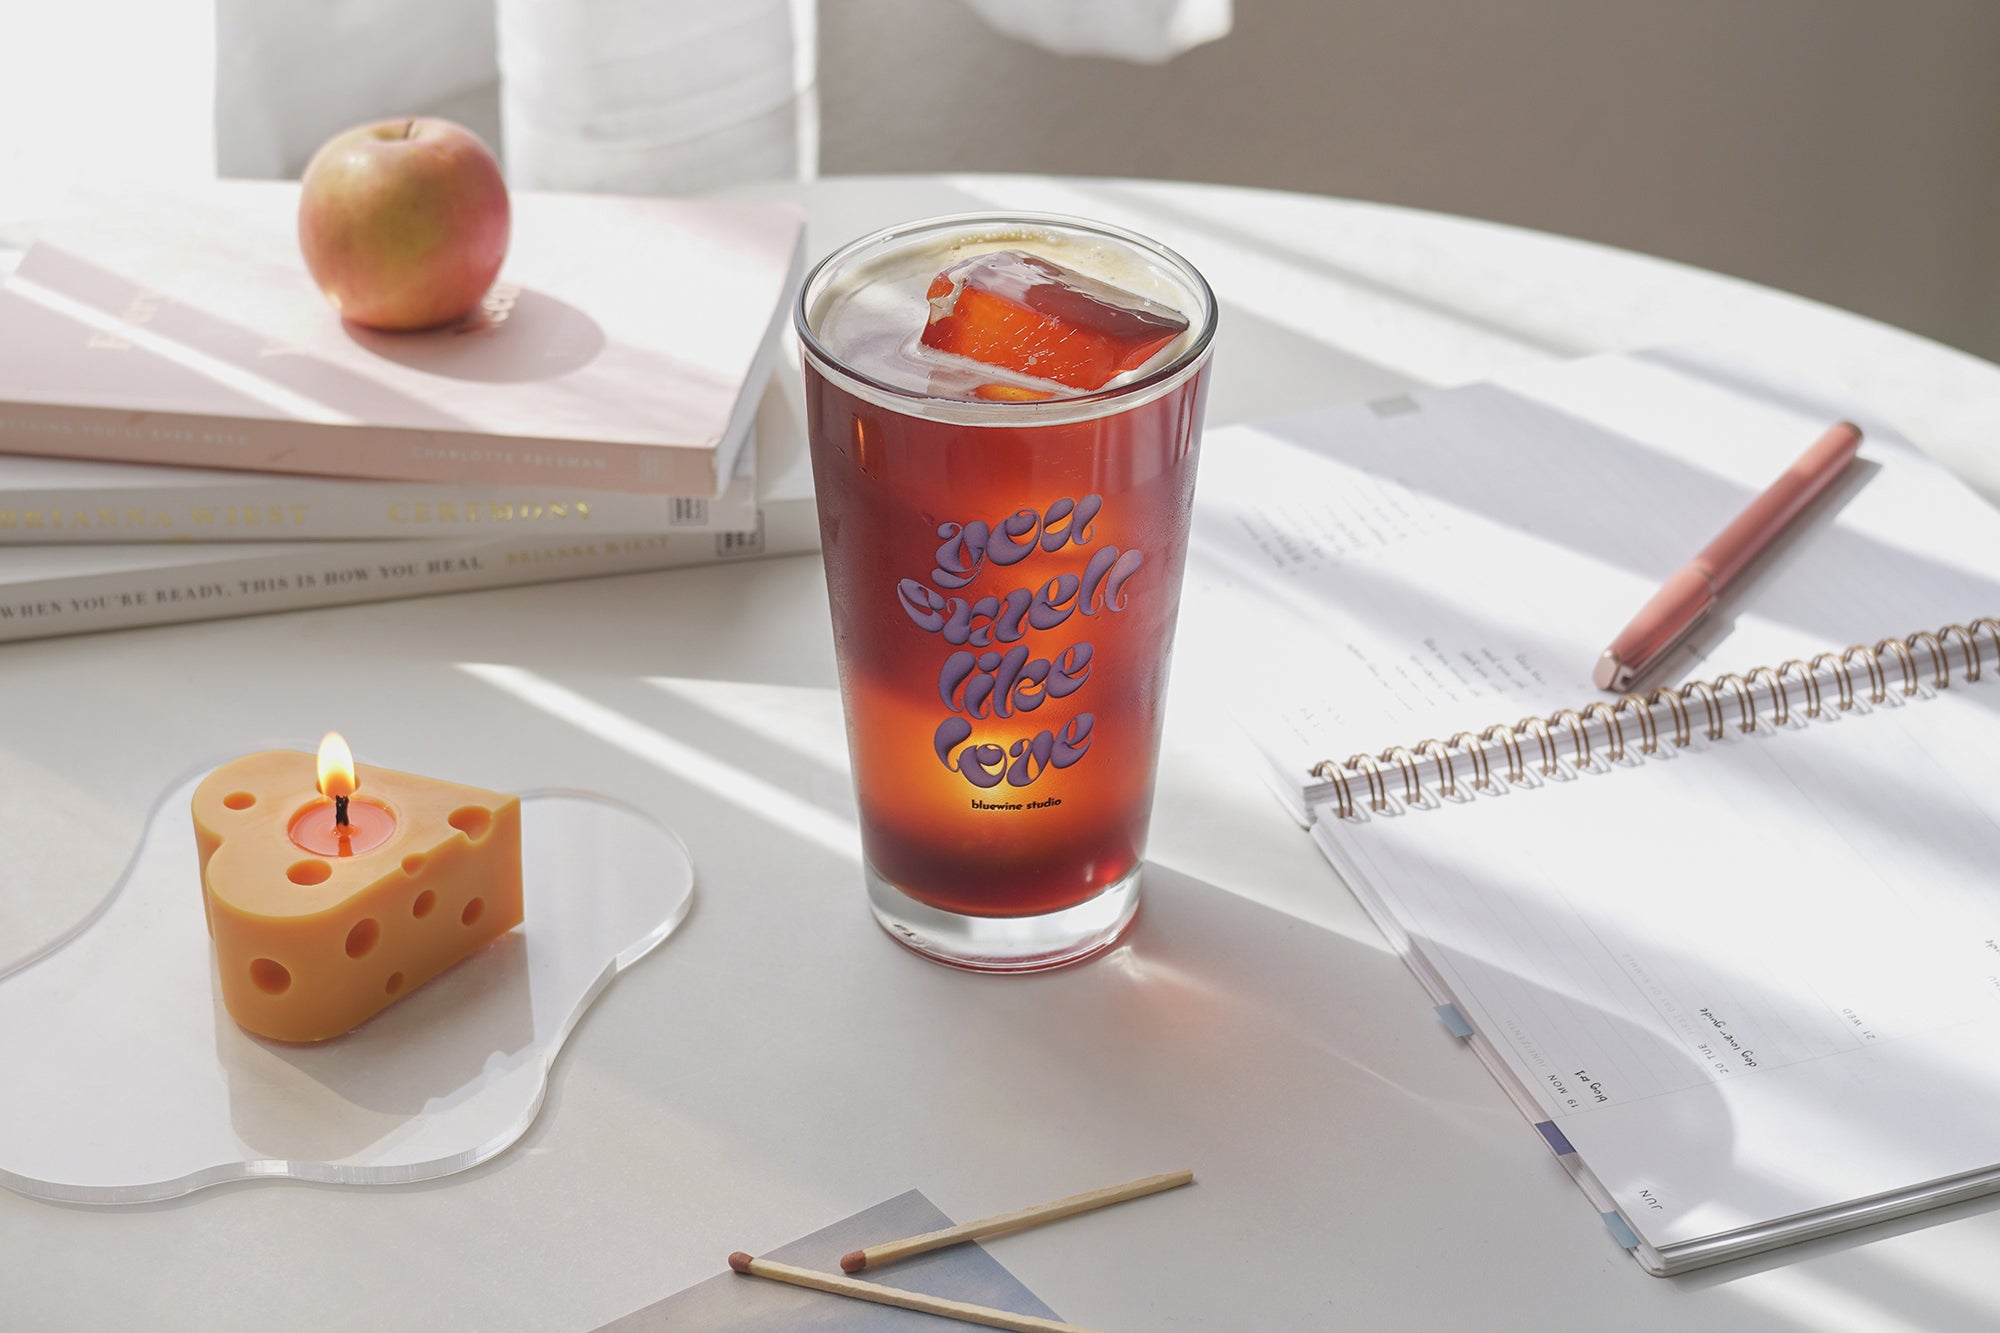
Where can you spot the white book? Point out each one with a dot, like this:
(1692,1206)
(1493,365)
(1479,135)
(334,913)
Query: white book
(50,590)
(1729,944)
(622,348)
(48,501)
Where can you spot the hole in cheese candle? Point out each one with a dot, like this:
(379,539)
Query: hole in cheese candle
(318,926)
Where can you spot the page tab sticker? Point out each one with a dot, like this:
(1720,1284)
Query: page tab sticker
(1454,1022)
(1621,1230)
(1558,1144)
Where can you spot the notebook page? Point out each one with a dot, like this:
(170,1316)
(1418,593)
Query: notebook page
(1747,982)
(1460,557)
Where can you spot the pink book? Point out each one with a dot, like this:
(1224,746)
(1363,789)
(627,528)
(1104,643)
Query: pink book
(623,348)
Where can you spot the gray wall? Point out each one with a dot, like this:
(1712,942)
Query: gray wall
(1842,149)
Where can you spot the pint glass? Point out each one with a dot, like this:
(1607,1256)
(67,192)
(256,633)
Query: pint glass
(1004,565)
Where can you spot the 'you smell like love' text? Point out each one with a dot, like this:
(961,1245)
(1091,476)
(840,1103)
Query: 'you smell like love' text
(990,673)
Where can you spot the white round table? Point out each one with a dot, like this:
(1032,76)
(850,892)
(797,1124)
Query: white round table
(780,1064)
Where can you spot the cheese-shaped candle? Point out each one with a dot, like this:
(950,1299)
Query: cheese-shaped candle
(313,937)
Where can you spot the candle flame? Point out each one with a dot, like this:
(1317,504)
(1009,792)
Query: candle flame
(336,767)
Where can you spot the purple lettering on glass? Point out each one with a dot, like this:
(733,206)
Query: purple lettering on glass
(981,765)
(1028,691)
(1003,617)
(1074,740)
(1053,537)
(967,547)
(992,683)
(963,552)
(956,668)
(1121,573)
(959,628)
(1006,547)
(980,688)
(1053,603)
(949,733)
(968,683)
(1075,520)
(1107,574)
(1005,677)
(924,605)
(1086,510)
(1008,627)
(1072,668)
(1031,759)
(1093,579)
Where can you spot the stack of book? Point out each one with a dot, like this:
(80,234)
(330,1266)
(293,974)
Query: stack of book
(188,430)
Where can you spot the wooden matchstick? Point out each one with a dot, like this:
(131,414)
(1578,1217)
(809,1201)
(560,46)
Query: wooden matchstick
(908,1300)
(1019,1220)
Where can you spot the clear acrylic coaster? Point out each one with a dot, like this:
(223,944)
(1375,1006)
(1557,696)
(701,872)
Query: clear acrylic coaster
(123,1079)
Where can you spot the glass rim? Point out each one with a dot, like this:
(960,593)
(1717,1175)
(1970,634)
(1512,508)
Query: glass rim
(1082,407)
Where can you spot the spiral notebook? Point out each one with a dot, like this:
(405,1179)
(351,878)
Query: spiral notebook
(1732,944)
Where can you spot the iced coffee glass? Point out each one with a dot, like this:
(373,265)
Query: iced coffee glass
(1004,532)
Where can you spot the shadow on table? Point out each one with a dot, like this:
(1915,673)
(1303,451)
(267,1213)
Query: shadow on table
(326,1101)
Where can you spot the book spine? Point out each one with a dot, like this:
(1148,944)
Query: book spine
(314,509)
(341,573)
(377,453)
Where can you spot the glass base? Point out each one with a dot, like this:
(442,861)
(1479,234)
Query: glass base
(1005,943)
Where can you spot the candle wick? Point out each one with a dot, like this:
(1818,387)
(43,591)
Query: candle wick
(340,811)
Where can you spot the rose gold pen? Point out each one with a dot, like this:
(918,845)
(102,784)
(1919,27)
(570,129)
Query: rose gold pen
(1693,589)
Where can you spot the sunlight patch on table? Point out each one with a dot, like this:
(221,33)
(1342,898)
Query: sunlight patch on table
(1825,1307)
(277,397)
(804,719)
(696,767)
(1398,333)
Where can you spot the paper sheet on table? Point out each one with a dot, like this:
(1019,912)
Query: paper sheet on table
(731,1303)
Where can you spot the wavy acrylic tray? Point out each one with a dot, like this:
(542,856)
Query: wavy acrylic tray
(126,1080)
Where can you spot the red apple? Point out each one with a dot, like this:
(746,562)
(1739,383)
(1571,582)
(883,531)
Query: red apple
(404,223)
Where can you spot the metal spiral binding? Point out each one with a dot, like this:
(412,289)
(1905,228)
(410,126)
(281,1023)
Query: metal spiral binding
(1739,693)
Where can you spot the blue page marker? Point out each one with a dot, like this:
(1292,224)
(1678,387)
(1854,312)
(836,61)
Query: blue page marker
(1454,1022)
(1558,1144)
(1621,1230)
